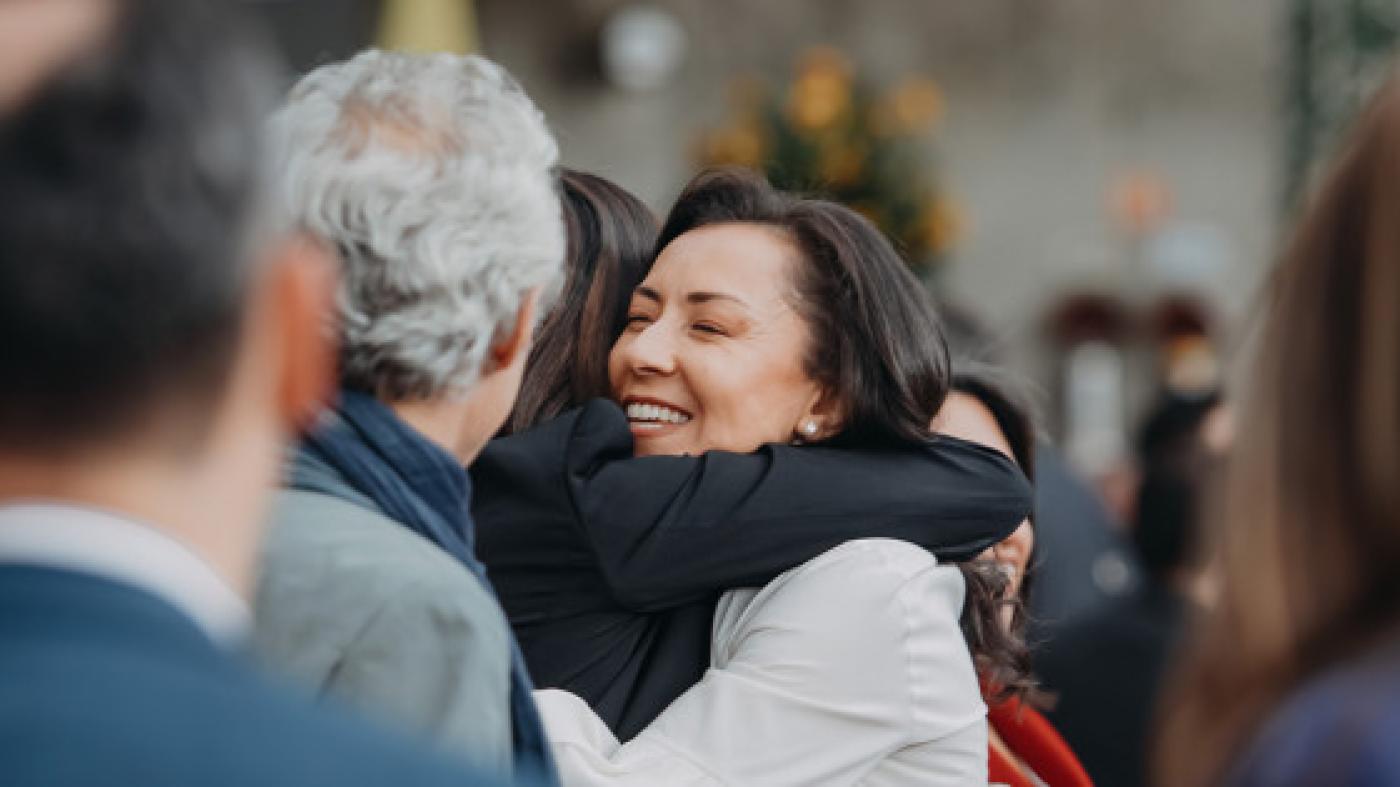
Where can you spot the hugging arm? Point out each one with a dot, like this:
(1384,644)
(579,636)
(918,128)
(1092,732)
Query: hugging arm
(671,529)
(850,669)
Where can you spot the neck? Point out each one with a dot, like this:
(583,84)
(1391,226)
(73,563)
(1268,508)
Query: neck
(446,422)
(212,504)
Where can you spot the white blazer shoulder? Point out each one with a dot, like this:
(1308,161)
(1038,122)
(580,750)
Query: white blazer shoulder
(848,670)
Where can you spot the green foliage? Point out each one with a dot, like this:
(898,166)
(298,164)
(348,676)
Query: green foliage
(830,135)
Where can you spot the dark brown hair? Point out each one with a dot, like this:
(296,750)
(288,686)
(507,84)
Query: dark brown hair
(1309,558)
(877,347)
(610,235)
(1003,657)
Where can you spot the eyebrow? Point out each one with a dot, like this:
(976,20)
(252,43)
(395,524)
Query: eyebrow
(701,296)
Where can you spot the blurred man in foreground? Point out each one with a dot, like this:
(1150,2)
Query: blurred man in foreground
(159,339)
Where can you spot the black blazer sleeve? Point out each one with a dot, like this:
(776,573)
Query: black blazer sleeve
(666,530)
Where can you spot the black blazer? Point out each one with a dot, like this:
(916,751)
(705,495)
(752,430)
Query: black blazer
(1106,670)
(609,565)
(101,683)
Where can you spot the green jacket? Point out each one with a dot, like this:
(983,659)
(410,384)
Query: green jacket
(359,609)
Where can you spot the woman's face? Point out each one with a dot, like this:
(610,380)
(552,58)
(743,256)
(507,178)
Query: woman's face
(712,355)
(966,417)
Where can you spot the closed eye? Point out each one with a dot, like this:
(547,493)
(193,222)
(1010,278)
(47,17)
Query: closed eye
(709,328)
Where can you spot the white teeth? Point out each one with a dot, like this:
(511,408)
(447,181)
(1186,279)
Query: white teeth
(652,412)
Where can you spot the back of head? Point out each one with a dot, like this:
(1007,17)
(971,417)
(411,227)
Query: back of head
(1009,405)
(1001,651)
(1173,427)
(610,238)
(131,181)
(1175,464)
(877,346)
(1311,548)
(433,177)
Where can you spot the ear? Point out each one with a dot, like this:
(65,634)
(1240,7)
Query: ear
(823,411)
(514,347)
(303,278)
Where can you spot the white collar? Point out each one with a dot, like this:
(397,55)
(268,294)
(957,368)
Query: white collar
(71,537)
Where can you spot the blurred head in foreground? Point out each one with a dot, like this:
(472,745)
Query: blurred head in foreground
(1311,539)
(159,332)
(1181,444)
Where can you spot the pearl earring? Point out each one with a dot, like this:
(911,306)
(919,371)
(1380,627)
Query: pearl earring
(809,429)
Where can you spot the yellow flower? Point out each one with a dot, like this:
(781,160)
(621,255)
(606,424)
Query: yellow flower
(821,93)
(917,104)
(914,106)
(824,60)
(944,223)
(741,145)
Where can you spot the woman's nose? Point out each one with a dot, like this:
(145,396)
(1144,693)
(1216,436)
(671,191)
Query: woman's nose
(651,351)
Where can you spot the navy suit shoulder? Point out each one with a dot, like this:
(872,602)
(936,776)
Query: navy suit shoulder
(102,683)
(1106,670)
(1339,729)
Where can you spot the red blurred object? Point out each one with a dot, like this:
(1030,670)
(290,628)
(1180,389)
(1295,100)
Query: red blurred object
(1140,202)
(1177,316)
(1089,316)
(1034,742)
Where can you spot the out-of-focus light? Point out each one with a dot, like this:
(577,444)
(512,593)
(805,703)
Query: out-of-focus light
(1140,201)
(428,26)
(642,47)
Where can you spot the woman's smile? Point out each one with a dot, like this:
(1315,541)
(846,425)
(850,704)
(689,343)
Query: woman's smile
(649,417)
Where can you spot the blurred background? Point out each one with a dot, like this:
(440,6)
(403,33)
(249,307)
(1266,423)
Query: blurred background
(1092,188)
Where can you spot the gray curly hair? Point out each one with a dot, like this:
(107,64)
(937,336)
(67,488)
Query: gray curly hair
(433,175)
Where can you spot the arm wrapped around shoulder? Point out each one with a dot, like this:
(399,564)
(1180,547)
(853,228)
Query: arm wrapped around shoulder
(846,667)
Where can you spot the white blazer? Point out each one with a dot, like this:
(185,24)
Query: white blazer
(848,670)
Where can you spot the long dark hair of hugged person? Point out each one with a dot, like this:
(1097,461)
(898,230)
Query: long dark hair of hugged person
(1024,748)
(609,235)
(886,369)
(1310,549)
(1009,675)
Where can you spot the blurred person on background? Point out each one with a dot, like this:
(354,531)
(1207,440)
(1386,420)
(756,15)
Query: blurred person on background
(1293,678)
(160,337)
(1082,560)
(767,711)
(1024,749)
(433,178)
(1106,670)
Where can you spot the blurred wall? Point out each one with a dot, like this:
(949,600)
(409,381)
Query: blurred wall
(1048,105)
